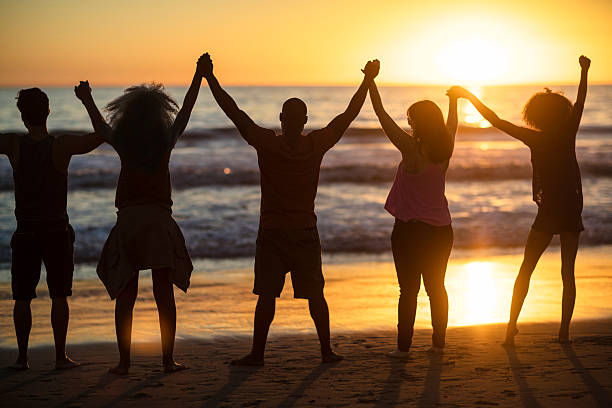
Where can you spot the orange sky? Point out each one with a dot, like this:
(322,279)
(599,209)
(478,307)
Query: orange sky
(308,42)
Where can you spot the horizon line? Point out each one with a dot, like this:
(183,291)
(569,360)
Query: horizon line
(315,85)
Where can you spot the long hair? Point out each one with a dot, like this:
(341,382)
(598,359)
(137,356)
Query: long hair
(547,110)
(429,129)
(141,119)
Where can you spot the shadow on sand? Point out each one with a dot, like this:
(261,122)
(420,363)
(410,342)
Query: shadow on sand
(527,397)
(601,396)
(431,390)
(237,375)
(389,396)
(299,391)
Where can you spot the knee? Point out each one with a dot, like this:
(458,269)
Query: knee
(128,295)
(59,301)
(23,303)
(266,301)
(409,292)
(568,280)
(317,299)
(436,292)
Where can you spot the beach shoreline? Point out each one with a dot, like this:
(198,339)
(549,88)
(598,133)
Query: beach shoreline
(538,372)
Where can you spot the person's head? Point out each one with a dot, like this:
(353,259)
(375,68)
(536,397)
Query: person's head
(141,119)
(293,116)
(428,127)
(34,107)
(547,110)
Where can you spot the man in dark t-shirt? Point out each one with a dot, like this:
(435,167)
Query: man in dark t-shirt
(288,240)
(40,171)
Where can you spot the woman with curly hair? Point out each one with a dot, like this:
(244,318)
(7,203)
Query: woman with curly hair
(557,190)
(143,130)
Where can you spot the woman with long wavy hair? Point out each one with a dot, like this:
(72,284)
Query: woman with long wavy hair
(143,130)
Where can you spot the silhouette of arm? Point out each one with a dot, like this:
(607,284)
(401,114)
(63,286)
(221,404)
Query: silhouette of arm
(239,118)
(396,134)
(182,118)
(341,122)
(79,144)
(578,107)
(518,132)
(83,92)
(8,145)
(451,119)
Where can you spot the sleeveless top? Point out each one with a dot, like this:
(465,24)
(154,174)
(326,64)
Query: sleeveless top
(420,196)
(138,186)
(40,189)
(556,174)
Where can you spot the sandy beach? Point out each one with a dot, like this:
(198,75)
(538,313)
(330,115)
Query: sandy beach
(474,371)
(215,323)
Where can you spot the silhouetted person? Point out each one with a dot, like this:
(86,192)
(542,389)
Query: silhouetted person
(40,171)
(143,132)
(422,235)
(557,188)
(288,240)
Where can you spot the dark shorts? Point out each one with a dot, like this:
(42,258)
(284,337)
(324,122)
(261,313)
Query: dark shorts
(280,251)
(558,217)
(53,247)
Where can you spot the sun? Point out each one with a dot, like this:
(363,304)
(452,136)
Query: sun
(472,60)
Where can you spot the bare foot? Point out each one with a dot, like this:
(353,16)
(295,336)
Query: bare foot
(397,353)
(20,365)
(435,350)
(65,364)
(173,367)
(248,360)
(510,333)
(331,357)
(120,369)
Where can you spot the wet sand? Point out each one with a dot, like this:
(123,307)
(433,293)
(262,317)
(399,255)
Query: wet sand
(362,293)
(474,371)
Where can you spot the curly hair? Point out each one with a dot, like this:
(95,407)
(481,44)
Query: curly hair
(141,119)
(429,128)
(547,110)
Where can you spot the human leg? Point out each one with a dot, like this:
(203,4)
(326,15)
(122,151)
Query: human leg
(537,242)
(124,308)
(569,248)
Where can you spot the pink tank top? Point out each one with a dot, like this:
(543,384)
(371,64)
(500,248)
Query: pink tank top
(419,196)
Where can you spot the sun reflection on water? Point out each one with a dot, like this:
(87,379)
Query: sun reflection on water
(480,296)
(468,113)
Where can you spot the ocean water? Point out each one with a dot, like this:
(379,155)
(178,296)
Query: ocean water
(216,181)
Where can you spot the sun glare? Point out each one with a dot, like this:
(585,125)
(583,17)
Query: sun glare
(481,295)
(473,60)
(468,113)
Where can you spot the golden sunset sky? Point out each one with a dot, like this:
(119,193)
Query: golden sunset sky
(266,42)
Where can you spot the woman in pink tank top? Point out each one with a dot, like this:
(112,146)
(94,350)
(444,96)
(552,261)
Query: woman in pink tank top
(422,236)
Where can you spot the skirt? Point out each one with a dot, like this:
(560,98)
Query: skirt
(144,237)
(559,216)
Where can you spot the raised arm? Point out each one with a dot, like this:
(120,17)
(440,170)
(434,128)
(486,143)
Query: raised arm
(101,128)
(340,123)
(451,119)
(182,118)
(241,120)
(585,64)
(396,134)
(518,132)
